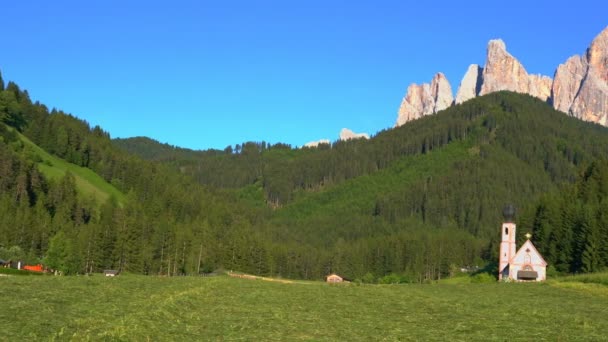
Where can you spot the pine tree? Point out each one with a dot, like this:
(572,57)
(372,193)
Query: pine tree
(57,254)
(590,242)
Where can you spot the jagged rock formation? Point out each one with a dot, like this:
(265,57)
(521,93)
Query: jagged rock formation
(579,87)
(441,93)
(416,103)
(470,86)
(502,71)
(567,82)
(347,134)
(505,72)
(540,86)
(425,99)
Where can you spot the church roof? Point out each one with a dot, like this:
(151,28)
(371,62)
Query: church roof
(529,245)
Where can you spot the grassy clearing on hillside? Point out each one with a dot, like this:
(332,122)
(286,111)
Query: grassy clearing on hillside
(221,308)
(88,182)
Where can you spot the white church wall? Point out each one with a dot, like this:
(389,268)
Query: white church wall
(528,255)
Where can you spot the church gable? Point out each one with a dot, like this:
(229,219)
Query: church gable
(528,264)
(528,255)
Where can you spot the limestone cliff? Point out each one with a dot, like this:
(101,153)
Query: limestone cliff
(441,93)
(540,86)
(425,99)
(347,134)
(567,81)
(502,71)
(470,86)
(579,87)
(591,101)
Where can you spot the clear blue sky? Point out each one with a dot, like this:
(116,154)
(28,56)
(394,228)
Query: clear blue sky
(207,74)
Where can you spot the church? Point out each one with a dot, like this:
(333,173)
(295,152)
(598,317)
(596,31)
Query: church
(524,265)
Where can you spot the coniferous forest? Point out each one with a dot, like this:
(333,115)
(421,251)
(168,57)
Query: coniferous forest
(414,203)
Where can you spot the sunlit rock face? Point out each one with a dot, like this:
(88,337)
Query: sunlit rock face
(591,100)
(441,93)
(416,103)
(597,56)
(502,71)
(567,81)
(470,84)
(425,99)
(540,86)
(347,134)
(579,86)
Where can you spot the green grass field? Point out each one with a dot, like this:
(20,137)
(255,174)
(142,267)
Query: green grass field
(143,308)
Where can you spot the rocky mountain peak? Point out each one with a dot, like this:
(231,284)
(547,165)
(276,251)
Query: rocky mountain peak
(581,84)
(597,55)
(579,87)
(470,86)
(347,134)
(497,50)
(441,92)
(567,81)
(503,71)
(425,99)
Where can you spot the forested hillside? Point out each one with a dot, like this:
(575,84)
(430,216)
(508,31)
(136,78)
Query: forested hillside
(571,226)
(417,201)
(165,223)
(454,171)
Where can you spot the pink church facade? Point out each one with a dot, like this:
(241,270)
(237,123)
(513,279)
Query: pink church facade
(527,264)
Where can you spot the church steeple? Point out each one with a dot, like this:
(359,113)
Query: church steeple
(507,243)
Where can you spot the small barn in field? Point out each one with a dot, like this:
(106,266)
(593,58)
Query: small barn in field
(334,278)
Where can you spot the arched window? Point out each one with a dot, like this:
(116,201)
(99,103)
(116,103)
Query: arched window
(506,231)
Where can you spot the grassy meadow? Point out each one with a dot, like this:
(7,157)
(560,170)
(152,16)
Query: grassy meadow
(141,308)
(87,181)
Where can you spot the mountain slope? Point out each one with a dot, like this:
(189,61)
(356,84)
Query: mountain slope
(355,207)
(419,200)
(88,182)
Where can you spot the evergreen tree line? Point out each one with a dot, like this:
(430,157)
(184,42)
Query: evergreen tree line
(255,208)
(519,149)
(570,227)
(510,120)
(167,224)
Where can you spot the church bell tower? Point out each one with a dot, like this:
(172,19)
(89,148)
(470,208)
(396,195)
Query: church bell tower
(507,243)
